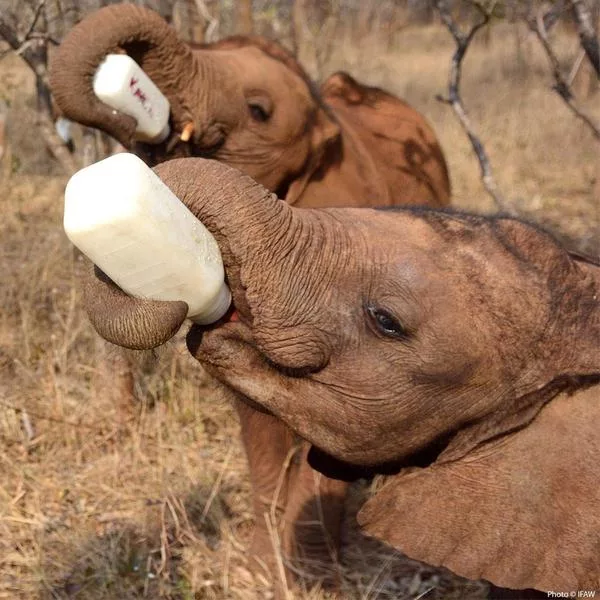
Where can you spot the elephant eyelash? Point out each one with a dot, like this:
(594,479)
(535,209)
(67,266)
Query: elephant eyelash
(295,373)
(258,112)
(386,323)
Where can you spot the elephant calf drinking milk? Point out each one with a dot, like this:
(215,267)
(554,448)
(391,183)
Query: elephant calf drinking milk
(245,101)
(458,353)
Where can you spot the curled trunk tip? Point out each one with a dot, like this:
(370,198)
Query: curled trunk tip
(130,322)
(138,31)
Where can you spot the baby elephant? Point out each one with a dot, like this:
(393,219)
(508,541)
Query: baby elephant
(459,354)
(247,102)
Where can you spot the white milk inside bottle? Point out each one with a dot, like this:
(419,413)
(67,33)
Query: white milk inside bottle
(131,225)
(121,83)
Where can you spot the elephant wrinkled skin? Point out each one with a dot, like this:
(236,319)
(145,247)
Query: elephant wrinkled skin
(459,353)
(253,107)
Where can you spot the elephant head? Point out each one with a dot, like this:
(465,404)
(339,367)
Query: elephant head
(247,102)
(244,101)
(458,352)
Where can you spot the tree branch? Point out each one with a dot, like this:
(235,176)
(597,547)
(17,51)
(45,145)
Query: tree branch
(32,48)
(212,28)
(561,86)
(575,68)
(36,16)
(587,33)
(454,99)
(8,34)
(554,13)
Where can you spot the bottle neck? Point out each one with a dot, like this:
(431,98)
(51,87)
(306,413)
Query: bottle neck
(216,309)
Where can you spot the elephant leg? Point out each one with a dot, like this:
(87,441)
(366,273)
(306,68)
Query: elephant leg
(269,445)
(312,521)
(298,512)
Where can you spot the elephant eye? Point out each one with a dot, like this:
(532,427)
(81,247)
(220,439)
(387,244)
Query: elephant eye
(259,111)
(386,323)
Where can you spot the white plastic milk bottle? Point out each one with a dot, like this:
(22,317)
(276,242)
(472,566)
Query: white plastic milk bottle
(131,225)
(121,83)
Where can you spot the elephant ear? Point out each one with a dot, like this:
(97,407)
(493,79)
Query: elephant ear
(522,511)
(325,136)
(400,145)
(325,131)
(344,87)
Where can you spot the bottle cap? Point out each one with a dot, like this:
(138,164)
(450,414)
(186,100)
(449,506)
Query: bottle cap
(218,307)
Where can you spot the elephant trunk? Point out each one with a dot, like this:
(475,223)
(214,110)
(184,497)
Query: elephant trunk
(249,223)
(139,32)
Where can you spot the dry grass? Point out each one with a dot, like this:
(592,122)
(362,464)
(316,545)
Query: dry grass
(98,502)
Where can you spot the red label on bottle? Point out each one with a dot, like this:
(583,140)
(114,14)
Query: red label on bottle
(138,93)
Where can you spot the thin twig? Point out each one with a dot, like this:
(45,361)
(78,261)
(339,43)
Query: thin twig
(45,37)
(19,410)
(561,86)
(575,68)
(217,485)
(33,49)
(98,427)
(554,13)
(36,16)
(14,41)
(429,589)
(280,481)
(27,425)
(28,49)
(585,27)
(9,35)
(454,99)
(278,551)
(210,33)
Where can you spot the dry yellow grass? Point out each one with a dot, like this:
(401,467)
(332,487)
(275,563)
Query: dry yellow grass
(98,502)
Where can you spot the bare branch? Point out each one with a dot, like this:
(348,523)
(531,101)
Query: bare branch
(33,49)
(45,126)
(212,28)
(454,99)
(8,34)
(27,426)
(36,16)
(554,14)
(561,86)
(575,68)
(587,34)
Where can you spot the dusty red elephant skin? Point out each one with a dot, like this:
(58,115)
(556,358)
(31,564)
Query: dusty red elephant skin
(348,145)
(463,348)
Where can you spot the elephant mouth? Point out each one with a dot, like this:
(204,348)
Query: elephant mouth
(174,147)
(197,332)
(234,321)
